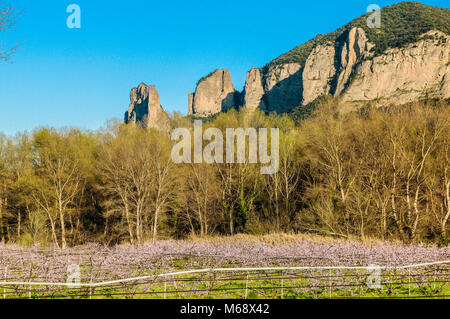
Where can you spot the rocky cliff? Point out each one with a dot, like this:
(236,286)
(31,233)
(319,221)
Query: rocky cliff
(349,69)
(355,49)
(145,107)
(318,72)
(406,59)
(214,93)
(417,71)
(275,88)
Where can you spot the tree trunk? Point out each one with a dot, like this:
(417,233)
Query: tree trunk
(155,225)
(447,215)
(384,223)
(63,229)
(2,228)
(19,220)
(230,210)
(52,225)
(130,229)
(138,225)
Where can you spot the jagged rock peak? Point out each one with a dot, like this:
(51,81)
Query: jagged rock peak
(274,88)
(214,93)
(253,90)
(355,49)
(318,72)
(144,106)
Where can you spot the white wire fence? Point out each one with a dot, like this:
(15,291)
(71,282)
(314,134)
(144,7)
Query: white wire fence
(420,280)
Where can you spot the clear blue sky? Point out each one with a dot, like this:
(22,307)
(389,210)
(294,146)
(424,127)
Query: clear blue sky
(82,77)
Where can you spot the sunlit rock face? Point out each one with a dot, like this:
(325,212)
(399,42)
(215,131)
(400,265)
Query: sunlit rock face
(401,75)
(214,93)
(347,68)
(318,72)
(145,108)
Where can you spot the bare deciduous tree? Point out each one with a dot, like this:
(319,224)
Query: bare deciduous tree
(8,18)
(59,179)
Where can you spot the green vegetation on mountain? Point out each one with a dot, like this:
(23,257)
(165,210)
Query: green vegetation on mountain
(206,76)
(401,24)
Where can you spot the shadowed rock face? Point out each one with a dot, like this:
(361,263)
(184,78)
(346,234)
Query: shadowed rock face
(214,93)
(145,107)
(355,49)
(282,86)
(277,88)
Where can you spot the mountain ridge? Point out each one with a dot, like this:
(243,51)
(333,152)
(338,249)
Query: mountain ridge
(399,14)
(406,59)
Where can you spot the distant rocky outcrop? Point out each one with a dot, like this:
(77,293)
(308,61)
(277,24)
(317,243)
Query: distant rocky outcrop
(419,70)
(355,63)
(355,49)
(318,73)
(349,69)
(345,68)
(275,88)
(330,66)
(145,107)
(254,89)
(214,93)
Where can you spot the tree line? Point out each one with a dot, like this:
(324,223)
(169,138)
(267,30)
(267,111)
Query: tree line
(373,173)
